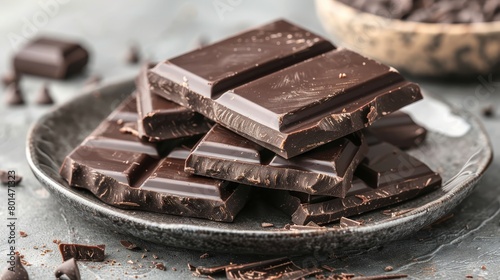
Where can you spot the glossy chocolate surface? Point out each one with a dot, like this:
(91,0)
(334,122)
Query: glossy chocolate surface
(318,98)
(326,170)
(386,176)
(124,172)
(161,119)
(51,58)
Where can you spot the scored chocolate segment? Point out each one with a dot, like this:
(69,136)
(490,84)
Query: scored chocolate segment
(117,169)
(312,95)
(50,57)
(108,136)
(327,170)
(281,110)
(161,119)
(389,176)
(216,68)
(399,129)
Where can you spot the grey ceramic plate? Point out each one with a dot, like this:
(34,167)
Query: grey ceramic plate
(461,160)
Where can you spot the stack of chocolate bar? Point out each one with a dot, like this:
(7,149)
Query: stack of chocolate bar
(276,109)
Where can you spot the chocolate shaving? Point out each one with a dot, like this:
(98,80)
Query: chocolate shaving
(346,222)
(68,268)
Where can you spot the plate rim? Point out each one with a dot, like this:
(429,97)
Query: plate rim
(391,222)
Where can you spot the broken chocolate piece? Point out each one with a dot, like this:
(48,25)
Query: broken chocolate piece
(129,245)
(81,252)
(326,170)
(122,171)
(15,271)
(398,129)
(68,268)
(14,95)
(288,110)
(51,58)
(10,177)
(43,97)
(160,119)
(389,176)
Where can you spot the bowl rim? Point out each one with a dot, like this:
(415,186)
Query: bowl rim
(414,26)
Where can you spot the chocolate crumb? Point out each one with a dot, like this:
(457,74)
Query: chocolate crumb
(129,245)
(132,56)
(161,266)
(43,97)
(155,257)
(483,267)
(174,269)
(488,111)
(68,268)
(469,276)
(205,256)
(14,95)
(56,241)
(23,233)
(266,225)
(388,268)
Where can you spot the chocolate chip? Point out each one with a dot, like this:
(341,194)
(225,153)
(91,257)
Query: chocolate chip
(68,268)
(18,272)
(43,97)
(14,95)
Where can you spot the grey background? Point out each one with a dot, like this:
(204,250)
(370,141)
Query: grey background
(457,247)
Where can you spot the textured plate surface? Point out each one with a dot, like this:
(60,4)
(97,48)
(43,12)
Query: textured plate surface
(461,159)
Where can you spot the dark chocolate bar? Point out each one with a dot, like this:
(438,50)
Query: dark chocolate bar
(388,175)
(50,57)
(124,172)
(160,119)
(81,252)
(244,84)
(399,129)
(326,170)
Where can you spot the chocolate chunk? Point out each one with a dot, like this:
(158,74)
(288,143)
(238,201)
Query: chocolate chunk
(133,56)
(10,78)
(51,58)
(326,170)
(7,178)
(398,129)
(124,172)
(129,245)
(160,266)
(16,271)
(43,97)
(14,95)
(288,110)
(389,176)
(80,252)
(160,119)
(68,268)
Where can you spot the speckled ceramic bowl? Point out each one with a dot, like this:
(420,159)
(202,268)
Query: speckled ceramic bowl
(423,49)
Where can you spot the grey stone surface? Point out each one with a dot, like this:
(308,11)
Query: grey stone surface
(455,248)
